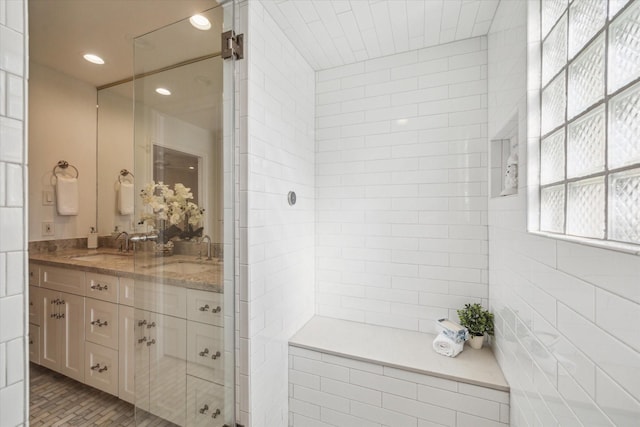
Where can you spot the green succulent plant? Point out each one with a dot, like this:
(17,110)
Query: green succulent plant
(476,320)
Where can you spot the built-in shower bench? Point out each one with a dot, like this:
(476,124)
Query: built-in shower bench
(344,373)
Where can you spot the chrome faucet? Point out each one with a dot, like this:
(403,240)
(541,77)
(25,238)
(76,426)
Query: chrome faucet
(208,247)
(126,241)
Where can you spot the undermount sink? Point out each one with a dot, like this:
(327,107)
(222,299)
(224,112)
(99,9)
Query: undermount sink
(182,267)
(102,257)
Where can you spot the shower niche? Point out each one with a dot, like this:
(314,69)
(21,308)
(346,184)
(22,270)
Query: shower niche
(504,165)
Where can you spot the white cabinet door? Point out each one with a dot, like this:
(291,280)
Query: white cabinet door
(205,352)
(205,403)
(168,370)
(34,344)
(102,286)
(161,298)
(71,327)
(35,305)
(101,369)
(34,274)
(62,279)
(126,354)
(205,307)
(50,341)
(101,323)
(125,295)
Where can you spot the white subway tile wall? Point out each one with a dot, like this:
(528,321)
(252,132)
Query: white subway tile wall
(402,185)
(327,390)
(566,314)
(13,76)
(276,240)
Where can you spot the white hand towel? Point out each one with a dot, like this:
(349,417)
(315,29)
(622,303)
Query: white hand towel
(446,346)
(125,198)
(67,195)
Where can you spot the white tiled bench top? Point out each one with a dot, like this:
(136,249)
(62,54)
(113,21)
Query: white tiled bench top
(398,348)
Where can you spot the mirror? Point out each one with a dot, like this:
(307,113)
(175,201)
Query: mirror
(180,142)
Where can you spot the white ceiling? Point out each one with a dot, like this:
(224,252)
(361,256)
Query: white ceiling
(339,32)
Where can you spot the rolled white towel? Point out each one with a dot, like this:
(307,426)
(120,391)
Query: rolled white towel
(125,198)
(67,195)
(446,346)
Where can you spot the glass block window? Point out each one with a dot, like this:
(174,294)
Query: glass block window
(590,119)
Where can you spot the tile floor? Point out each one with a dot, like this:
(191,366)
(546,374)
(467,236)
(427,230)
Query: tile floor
(57,400)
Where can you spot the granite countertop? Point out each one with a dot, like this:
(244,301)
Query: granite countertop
(178,270)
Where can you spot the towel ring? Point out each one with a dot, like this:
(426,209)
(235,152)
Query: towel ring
(63,164)
(124,173)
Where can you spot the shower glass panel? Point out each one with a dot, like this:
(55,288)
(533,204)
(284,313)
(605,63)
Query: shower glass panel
(184,290)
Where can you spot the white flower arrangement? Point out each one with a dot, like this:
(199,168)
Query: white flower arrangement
(170,206)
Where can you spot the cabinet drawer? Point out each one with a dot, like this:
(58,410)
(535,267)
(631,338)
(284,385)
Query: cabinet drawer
(205,403)
(126,291)
(102,287)
(34,344)
(205,352)
(35,305)
(205,307)
(101,323)
(62,279)
(101,369)
(34,274)
(159,298)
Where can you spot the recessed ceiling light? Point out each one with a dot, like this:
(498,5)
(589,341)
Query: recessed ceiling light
(200,22)
(163,91)
(95,59)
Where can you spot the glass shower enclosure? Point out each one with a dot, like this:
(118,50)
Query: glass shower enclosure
(183,315)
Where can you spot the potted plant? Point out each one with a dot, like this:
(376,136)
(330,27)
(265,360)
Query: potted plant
(478,321)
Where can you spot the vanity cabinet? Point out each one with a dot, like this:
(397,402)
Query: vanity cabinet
(62,333)
(85,325)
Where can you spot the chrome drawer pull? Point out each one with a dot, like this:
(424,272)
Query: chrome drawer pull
(142,322)
(151,325)
(100,287)
(141,340)
(215,414)
(204,409)
(97,367)
(215,356)
(153,341)
(204,307)
(99,324)
(218,309)
(204,352)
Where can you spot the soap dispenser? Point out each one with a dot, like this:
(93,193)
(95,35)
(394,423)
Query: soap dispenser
(92,240)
